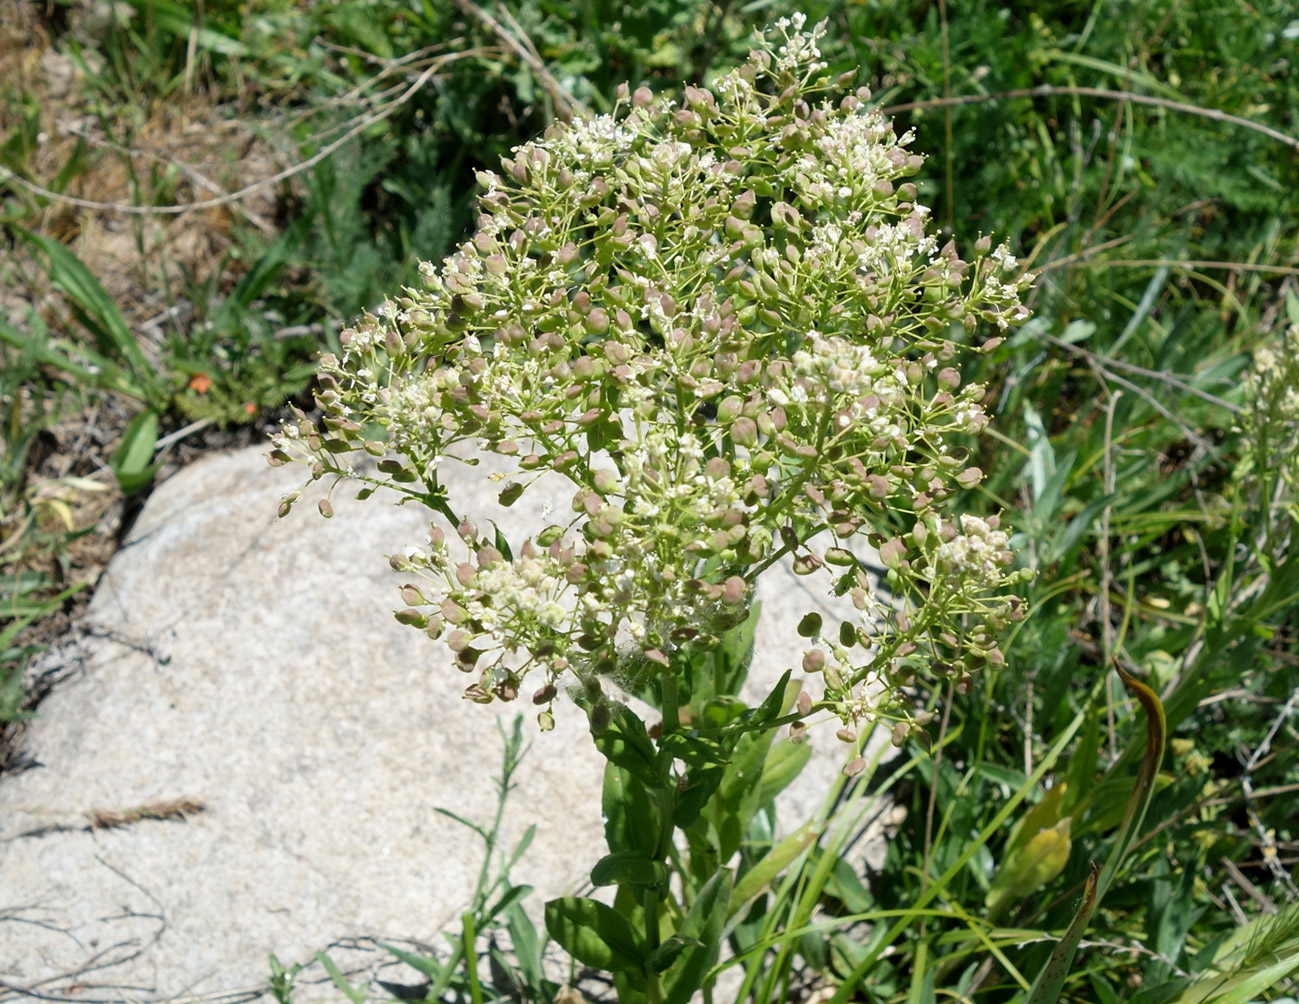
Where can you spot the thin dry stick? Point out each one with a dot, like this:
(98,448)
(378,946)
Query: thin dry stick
(1191,435)
(1107,628)
(289,172)
(1174,380)
(1263,900)
(1050,90)
(1083,256)
(947,117)
(1267,837)
(566,106)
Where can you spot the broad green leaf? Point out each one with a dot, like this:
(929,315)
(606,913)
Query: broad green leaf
(703,926)
(670,950)
(1049,982)
(628,867)
(694,750)
(514,894)
(525,945)
(1044,814)
(699,788)
(594,934)
(1030,866)
(181,21)
(774,703)
(626,744)
(631,822)
(132,461)
(1172,912)
(771,866)
(784,762)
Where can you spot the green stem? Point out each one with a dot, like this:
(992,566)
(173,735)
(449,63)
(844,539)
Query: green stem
(650,904)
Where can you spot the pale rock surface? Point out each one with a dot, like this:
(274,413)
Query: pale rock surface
(253,665)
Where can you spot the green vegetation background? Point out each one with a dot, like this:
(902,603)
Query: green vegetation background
(1142,156)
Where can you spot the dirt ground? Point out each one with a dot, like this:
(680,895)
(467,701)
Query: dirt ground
(182,149)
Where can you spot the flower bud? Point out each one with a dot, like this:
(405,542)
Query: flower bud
(411,617)
(892,552)
(806,564)
(734,591)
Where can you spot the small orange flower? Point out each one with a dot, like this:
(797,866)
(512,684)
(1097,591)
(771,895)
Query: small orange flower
(200,383)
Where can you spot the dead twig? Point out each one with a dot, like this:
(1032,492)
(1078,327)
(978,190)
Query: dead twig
(1174,380)
(359,125)
(1105,93)
(112,819)
(566,106)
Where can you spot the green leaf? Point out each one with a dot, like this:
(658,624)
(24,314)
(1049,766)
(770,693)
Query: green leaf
(694,750)
(700,785)
(525,945)
(631,822)
(181,21)
(1049,982)
(428,966)
(630,868)
(514,894)
(1172,913)
(97,311)
(626,744)
(132,460)
(667,953)
(594,934)
(1030,866)
(785,761)
(350,992)
(703,926)
(771,867)
(773,705)
(1040,816)
(78,361)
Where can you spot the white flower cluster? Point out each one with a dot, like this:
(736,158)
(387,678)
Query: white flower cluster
(1273,422)
(974,557)
(726,322)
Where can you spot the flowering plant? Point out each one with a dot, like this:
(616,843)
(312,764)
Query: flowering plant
(725,322)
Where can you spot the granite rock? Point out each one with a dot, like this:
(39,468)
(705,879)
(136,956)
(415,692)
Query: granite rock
(249,668)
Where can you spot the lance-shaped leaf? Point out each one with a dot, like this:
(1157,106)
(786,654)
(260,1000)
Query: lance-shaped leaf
(1050,981)
(1030,866)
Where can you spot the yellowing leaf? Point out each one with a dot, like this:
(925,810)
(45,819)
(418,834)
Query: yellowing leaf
(1032,866)
(1038,817)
